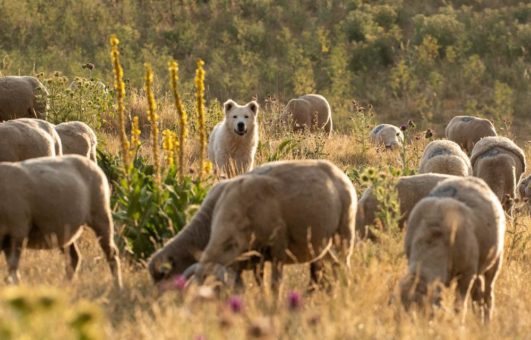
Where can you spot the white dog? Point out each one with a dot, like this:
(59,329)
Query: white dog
(233,141)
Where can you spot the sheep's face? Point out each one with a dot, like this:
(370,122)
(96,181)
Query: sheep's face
(415,290)
(164,265)
(240,119)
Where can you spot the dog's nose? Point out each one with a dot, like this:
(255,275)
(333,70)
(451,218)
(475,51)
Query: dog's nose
(241,126)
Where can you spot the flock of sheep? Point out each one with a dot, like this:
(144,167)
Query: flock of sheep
(285,212)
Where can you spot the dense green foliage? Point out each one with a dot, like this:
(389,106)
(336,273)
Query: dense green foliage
(418,59)
(146,214)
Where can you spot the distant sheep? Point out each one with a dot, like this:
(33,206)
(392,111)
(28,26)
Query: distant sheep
(309,112)
(524,189)
(45,202)
(78,139)
(445,157)
(468,130)
(49,128)
(289,212)
(22,97)
(387,135)
(456,233)
(20,141)
(410,189)
(501,163)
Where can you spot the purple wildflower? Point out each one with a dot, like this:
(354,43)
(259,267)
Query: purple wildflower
(403,127)
(236,304)
(179,282)
(294,300)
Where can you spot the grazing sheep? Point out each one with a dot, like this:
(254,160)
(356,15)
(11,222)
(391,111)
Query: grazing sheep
(78,139)
(288,212)
(388,135)
(410,189)
(456,233)
(22,97)
(310,111)
(468,130)
(501,163)
(445,157)
(233,142)
(20,141)
(44,203)
(49,128)
(524,189)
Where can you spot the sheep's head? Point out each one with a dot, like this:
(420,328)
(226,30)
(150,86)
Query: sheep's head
(165,264)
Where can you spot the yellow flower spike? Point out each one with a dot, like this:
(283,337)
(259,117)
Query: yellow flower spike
(154,120)
(168,141)
(119,85)
(183,118)
(135,133)
(200,98)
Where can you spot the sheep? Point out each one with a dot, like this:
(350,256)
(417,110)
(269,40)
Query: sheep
(47,127)
(468,130)
(78,139)
(456,233)
(288,212)
(501,163)
(410,190)
(20,141)
(44,203)
(445,157)
(524,189)
(388,135)
(310,111)
(22,97)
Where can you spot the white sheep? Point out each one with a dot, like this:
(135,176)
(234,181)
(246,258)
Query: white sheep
(468,130)
(47,127)
(78,139)
(500,163)
(456,233)
(20,141)
(387,135)
(45,202)
(445,157)
(22,96)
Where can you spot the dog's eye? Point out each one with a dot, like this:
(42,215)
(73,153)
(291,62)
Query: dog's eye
(234,117)
(246,116)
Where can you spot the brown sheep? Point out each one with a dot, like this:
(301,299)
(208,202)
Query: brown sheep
(22,97)
(77,139)
(45,202)
(410,189)
(445,157)
(524,189)
(310,111)
(387,135)
(500,163)
(290,212)
(49,128)
(456,233)
(468,130)
(20,141)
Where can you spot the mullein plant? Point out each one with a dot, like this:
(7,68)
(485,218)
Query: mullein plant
(205,166)
(119,86)
(169,140)
(183,118)
(154,120)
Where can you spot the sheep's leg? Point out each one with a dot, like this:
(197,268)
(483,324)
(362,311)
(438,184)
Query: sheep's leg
(276,276)
(488,294)
(465,286)
(73,259)
(478,293)
(104,230)
(12,249)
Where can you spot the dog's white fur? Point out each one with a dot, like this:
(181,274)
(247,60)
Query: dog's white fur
(233,142)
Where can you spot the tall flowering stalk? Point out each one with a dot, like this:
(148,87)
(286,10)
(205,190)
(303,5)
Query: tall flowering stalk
(168,146)
(200,98)
(135,133)
(154,120)
(119,86)
(183,118)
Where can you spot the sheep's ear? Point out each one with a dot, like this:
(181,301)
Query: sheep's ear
(254,107)
(228,105)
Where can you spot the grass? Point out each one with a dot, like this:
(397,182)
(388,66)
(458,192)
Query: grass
(363,304)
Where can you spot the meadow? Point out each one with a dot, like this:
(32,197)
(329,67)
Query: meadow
(414,64)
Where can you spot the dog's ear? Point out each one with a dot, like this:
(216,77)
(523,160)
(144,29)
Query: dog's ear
(228,105)
(254,107)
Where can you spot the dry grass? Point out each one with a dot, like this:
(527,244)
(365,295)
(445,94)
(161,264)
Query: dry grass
(363,303)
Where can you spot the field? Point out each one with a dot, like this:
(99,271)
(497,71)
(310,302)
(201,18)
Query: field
(414,64)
